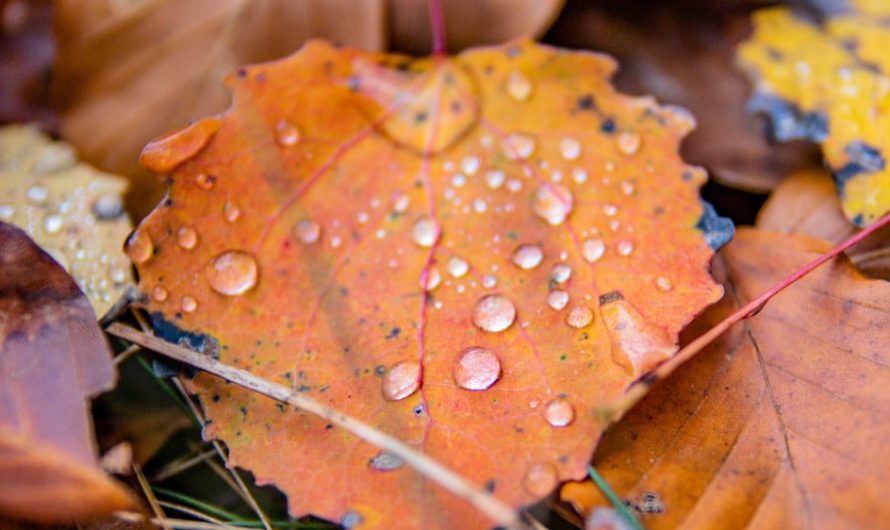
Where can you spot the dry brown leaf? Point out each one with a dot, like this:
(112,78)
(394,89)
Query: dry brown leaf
(782,423)
(128,72)
(53,356)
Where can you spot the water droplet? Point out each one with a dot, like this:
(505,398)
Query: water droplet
(629,142)
(188,304)
(362,217)
(205,181)
(593,249)
(518,86)
(489,281)
(561,273)
(37,194)
(336,242)
(231,212)
(351,519)
(286,133)
(664,283)
(307,231)
(569,148)
(232,273)
(624,248)
(433,279)
(495,178)
(476,369)
(7,211)
(494,313)
(553,203)
(518,146)
(53,224)
(527,257)
(386,461)
(627,187)
(610,209)
(457,267)
(540,479)
(401,380)
(514,185)
(579,317)
(425,232)
(400,203)
(159,293)
(559,413)
(458,180)
(140,247)
(557,299)
(108,206)
(470,165)
(480,206)
(187,238)
(579,175)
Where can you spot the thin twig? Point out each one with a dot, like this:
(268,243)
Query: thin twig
(616,502)
(181,464)
(124,355)
(149,495)
(194,513)
(499,512)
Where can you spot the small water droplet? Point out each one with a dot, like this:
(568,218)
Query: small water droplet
(433,279)
(489,281)
(470,165)
(540,479)
(495,178)
(7,211)
(140,247)
(457,267)
(561,273)
(557,299)
(286,133)
(401,380)
(579,317)
(480,206)
(570,149)
(579,175)
(159,293)
(307,231)
(519,87)
(458,180)
(187,238)
(362,218)
(553,203)
(664,283)
(351,519)
(188,304)
(610,209)
(624,248)
(205,181)
(386,461)
(518,146)
(52,224)
(476,369)
(527,257)
(231,212)
(629,142)
(336,241)
(38,194)
(232,273)
(494,313)
(627,187)
(400,203)
(559,413)
(108,206)
(425,232)
(593,249)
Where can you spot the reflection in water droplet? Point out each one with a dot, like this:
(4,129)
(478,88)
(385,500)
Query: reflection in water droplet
(561,273)
(553,203)
(664,283)
(527,257)
(140,247)
(557,299)
(231,212)
(401,380)
(494,313)
(593,249)
(425,232)
(205,181)
(629,142)
(580,317)
(476,369)
(559,413)
(489,281)
(232,273)
(433,279)
(518,86)
(569,148)
(457,267)
(286,133)
(495,178)
(52,224)
(540,479)
(518,146)
(385,461)
(624,248)
(159,293)
(187,238)
(307,231)
(189,304)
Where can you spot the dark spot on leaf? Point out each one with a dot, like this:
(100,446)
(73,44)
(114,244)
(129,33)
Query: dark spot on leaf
(490,485)
(586,102)
(612,296)
(393,333)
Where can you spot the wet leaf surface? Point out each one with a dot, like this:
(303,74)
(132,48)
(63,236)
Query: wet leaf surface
(473,254)
(53,357)
(781,422)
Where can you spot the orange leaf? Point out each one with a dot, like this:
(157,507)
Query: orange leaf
(779,424)
(472,254)
(52,358)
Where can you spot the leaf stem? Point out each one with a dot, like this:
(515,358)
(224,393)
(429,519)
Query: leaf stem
(616,502)
(437,24)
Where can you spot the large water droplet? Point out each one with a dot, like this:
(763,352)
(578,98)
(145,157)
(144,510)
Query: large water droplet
(286,133)
(593,249)
(476,369)
(518,146)
(570,149)
(140,247)
(579,317)
(561,273)
(425,232)
(108,206)
(457,267)
(307,231)
(553,203)
(527,257)
(401,380)
(518,86)
(159,293)
(664,283)
(188,304)
(540,479)
(386,461)
(494,313)
(557,299)
(232,273)
(187,238)
(559,413)
(629,142)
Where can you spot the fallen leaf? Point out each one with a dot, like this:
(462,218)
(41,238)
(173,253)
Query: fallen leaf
(26,55)
(828,83)
(781,423)
(53,357)
(807,203)
(473,254)
(72,211)
(128,72)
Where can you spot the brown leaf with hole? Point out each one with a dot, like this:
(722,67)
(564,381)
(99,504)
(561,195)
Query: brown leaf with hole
(53,357)
(782,423)
(128,72)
